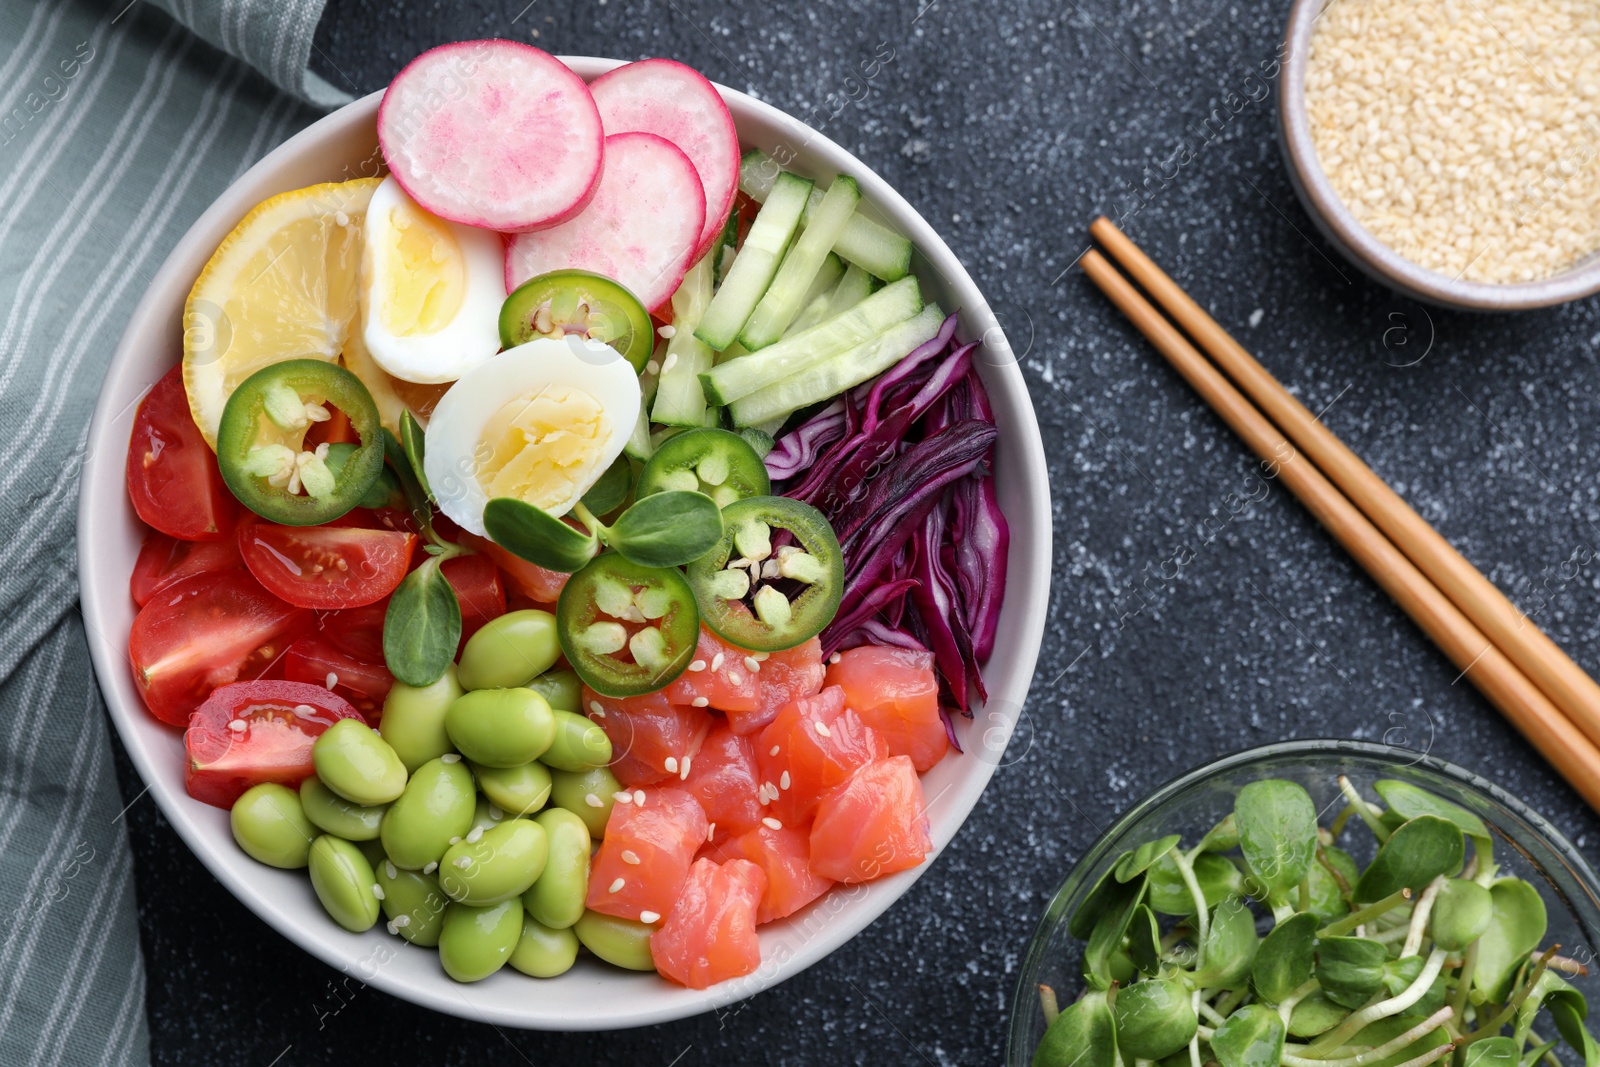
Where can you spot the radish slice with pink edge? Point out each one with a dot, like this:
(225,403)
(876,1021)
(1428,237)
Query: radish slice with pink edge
(668,99)
(494,134)
(641,229)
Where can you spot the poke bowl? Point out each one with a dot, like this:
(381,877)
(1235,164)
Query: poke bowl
(344,147)
(1544,897)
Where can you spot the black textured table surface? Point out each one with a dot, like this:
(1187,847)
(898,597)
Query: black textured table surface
(1009,127)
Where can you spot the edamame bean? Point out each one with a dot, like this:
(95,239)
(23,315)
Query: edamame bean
(518,790)
(356,763)
(501,727)
(487,815)
(413,719)
(373,850)
(413,903)
(542,952)
(622,942)
(334,814)
(556,898)
(590,795)
(578,745)
(563,689)
(476,941)
(488,866)
(436,806)
(270,825)
(344,882)
(510,651)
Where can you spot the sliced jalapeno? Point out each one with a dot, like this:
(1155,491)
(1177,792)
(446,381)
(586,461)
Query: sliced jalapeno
(578,302)
(627,629)
(768,598)
(261,443)
(720,464)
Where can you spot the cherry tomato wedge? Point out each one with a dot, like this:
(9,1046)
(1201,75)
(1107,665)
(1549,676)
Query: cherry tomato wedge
(326,567)
(204,632)
(173,478)
(476,581)
(539,584)
(165,561)
(357,632)
(710,936)
(627,629)
(253,732)
(319,662)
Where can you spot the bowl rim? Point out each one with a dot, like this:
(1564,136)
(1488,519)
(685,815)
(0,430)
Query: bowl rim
(1096,853)
(1340,226)
(803,944)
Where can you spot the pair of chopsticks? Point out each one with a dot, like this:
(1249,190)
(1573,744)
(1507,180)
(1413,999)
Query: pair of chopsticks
(1524,674)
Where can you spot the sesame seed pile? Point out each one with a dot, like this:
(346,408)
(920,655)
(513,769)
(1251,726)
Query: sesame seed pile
(1464,134)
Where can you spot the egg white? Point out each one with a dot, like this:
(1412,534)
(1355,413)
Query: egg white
(470,337)
(457,425)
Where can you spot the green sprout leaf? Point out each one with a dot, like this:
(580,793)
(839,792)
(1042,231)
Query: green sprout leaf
(1105,939)
(1387,1029)
(1350,968)
(1286,957)
(1277,833)
(1568,1010)
(1415,854)
(412,444)
(1398,976)
(1230,947)
(1144,940)
(1516,927)
(422,626)
(1461,913)
(1250,1037)
(1325,896)
(1154,1018)
(1410,802)
(537,536)
(1083,1035)
(1316,1015)
(1139,860)
(1101,897)
(1492,1052)
(1219,879)
(667,529)
(612,489)
(417,498)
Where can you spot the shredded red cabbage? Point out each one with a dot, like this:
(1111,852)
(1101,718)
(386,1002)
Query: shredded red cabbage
(900,465)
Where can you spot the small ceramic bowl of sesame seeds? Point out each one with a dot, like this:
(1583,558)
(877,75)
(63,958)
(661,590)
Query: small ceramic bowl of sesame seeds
(1451,148)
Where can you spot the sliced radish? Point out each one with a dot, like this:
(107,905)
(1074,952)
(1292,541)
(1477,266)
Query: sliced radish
(493,134)
(642,228)
(668,99)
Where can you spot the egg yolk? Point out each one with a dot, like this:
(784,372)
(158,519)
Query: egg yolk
(541,446)
(424,281)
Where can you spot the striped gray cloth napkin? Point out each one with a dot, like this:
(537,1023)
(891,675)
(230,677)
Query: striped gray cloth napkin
(118,126)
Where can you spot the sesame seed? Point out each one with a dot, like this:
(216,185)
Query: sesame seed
(783,782)
(594,706)
(623,797)
(463,862)
(593,801)
(304,709)
(652,367)
(752,664)
(670,362)
(771,824)
(630,856)
(735,678)
(401,921)
(701,702)
(392,927)
(761,657)
(697,665)
(616,887)
(450,757)
(711,828)
(238,726)
(377,890)
(668,331)
(494,813)
(835,658)
(475,835)
(683,773)
(773,751)
(388,868)
(455,840)
(430,868)
(716,662)
(670,765)
(331,680)
(638,797)
(822,728)
(649,916)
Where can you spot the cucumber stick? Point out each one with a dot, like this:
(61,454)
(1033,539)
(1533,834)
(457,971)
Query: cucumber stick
(844,371)
(756,262)
(892,304)
(875,248)
(679,399)
(638,444)
(854,287)
(815,306)
(785,297)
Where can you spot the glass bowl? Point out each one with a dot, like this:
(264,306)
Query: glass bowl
(1193,803)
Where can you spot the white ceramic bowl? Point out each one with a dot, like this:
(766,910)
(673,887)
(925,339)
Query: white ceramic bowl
(592,996)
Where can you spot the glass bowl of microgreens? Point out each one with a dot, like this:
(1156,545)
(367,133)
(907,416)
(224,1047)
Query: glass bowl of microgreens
(1317,904)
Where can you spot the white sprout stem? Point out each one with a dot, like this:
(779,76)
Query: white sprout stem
(1419,918)
(1194,1047)
(1363,809)
(1381,1010)
(1212,1013)
(1202,918)
(1372,1055)
(1394,933)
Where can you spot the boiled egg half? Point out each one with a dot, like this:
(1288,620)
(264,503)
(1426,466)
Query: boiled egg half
(539,423)
(431,290)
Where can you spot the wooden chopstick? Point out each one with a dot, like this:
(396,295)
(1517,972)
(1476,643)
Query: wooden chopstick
(1567,685)
(1522,702)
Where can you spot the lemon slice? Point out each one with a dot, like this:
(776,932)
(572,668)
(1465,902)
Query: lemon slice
(285,284)
(391,395)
